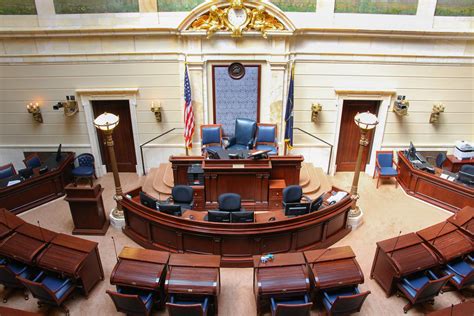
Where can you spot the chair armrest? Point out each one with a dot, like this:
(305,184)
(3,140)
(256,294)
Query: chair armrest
(307,198)
(250,144)
(326,296)
(169,200)
(431,274)
(232,142)
(36,279)
(66,282)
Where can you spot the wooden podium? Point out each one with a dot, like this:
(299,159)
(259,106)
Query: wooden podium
(87,209)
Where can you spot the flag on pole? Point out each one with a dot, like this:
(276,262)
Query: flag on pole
(188,112)
(289,111)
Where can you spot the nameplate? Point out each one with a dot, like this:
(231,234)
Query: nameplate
(238,166)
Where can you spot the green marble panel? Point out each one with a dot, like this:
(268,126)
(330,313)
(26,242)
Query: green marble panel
(95,6)
(455,8)
(177,5)
(17,7)
(296,5)
(377,6)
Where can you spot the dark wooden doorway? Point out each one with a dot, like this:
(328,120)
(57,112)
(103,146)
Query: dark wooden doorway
(349,135)
(123,135)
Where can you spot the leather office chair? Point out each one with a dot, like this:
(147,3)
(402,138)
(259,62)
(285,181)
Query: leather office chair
(132,301)
(266,138)
(468,169)
(49,289)
(85,168)
(344,300)
(462,271)
(198,306)
(296,306)
(244,134)
(421,287)
(438,161)
(7,171)
(32,161)
(182,195)
(8,273)
(294,194)
(211,137)
(229,202)
(384,166)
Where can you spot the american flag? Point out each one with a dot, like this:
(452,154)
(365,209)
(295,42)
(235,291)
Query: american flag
(188,112)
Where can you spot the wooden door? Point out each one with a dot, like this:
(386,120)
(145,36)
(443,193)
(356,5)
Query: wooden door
(123,135)
(349,135)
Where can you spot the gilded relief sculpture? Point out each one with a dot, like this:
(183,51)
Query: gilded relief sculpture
(211,22)
(263,22)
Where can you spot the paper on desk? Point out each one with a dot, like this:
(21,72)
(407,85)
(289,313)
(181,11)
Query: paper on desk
(13,182)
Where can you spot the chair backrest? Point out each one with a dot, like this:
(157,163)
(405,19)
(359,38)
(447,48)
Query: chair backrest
(349,303)
(266,133)
(431,288)
(468,169)
(8,278)
(128,303)
(85,160)
(293,309)
(245,131)
(292,194)
(7,171)
(182,194)
(440,159)
(185,309)
(211,134)
(32,161)
(40,291)
(385,158)
(229,202)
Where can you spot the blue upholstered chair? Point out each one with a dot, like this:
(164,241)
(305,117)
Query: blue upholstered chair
(266,138)
(7,171)
(294,194)
(421,287)
(50,289)
(462,271)
(229,202)
(182,195)
(8,273)
(291,306)
(344,301)
(468,169)
(188,306)
(85,168)
(32,161)
(244,134)
(132,301)
(384,166)
(211,137)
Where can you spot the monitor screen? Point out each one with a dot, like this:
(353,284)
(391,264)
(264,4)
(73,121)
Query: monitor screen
(171,209)
(148,201)
(242,217)
(25,173)
(296,209)
(316,204)
(218,216)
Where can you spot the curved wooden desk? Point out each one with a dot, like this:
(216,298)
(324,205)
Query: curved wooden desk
(433,189)
(235,243)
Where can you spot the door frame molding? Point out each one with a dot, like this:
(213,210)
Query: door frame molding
(385,98)
(87,96)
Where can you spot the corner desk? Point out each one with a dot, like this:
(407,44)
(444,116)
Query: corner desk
(464,219)
(454,164)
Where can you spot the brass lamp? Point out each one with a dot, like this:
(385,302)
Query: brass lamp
(36,111)
(106,123)
(366,122)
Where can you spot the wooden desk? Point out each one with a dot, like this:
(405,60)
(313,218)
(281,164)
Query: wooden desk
(285,275)
(464,219)
(192,274)
(334,267)
(260,216)
(454,164)
(75,257)
(433,189)
(398,257)
(461,309)
(26,243)
(447,241)
(8,223)
(41,188)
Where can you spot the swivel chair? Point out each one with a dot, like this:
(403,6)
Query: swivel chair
(344,300)
(32,161)
(293,306)
(132,301)
(244,134)
(8,277)
(182,306)
(182,195)
(85,168)
(439,160)
(294,194)
(7,171)
(229,202)
(266,138)
(462,270)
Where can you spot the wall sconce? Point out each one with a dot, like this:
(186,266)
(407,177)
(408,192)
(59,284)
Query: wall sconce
(438,108)
(156,108)
(315,109)
(400,107)
(36,111)
(70,106)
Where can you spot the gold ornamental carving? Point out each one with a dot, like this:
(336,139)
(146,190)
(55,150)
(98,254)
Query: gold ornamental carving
(237,18)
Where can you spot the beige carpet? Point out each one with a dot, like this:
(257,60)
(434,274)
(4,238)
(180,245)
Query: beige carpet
(387,211)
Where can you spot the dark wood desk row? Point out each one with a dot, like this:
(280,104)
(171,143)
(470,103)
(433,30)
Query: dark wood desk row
(235,243)
(428,248)
(73,257)
(290,273)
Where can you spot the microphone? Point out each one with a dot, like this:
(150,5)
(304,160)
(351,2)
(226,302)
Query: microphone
(434,240)
(41,231)
(395,246)
(115,248)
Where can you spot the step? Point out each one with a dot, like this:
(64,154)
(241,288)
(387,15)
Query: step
(314,180)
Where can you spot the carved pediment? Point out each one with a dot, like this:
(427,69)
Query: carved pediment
(236,17)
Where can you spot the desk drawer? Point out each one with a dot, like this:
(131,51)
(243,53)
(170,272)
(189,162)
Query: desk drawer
(276,193)
(275,203)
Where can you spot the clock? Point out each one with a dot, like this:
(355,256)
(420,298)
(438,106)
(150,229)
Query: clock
(237,17)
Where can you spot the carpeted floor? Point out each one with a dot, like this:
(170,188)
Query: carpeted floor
(387,211)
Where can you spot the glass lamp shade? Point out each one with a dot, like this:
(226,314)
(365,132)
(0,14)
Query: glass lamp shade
(106,122)
(366,120)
